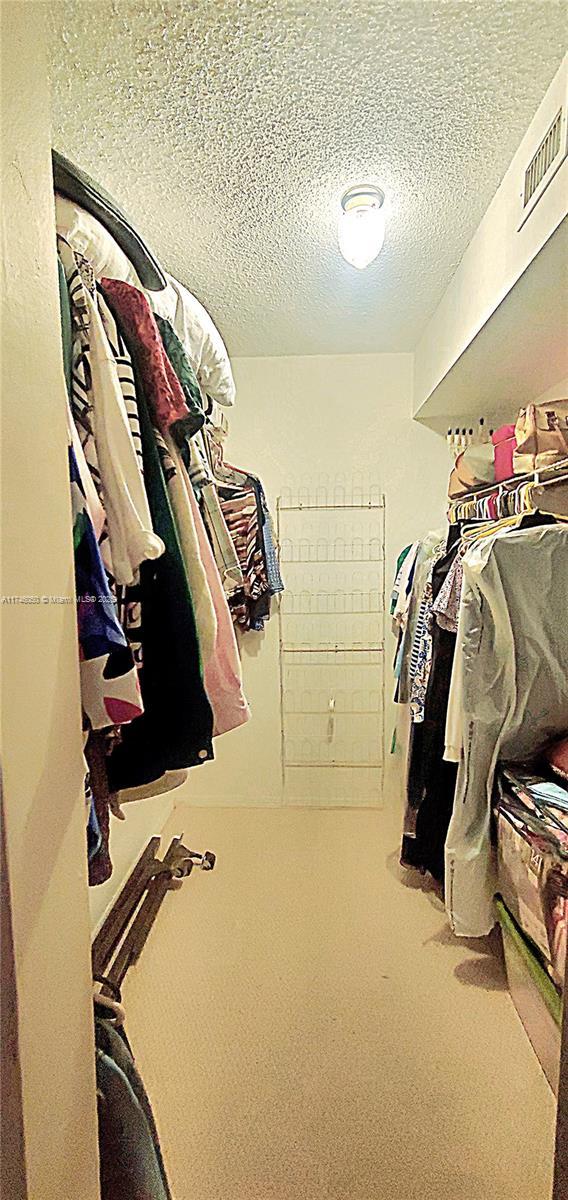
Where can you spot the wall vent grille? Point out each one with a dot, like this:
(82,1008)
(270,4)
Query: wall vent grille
(542,161)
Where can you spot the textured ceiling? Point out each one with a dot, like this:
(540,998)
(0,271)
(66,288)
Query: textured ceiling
(229,128)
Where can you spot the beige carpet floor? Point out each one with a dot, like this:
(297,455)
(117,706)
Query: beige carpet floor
(308,1029)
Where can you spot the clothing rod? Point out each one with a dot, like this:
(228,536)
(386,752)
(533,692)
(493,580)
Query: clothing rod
(333,650)
(323,766)
(338,712)
(325,507)
(515,481)
(113,928)
(125,930)
(552,482)
(334,612)
(130,950)
(318,562)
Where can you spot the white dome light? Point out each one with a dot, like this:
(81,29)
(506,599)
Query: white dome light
(361,225)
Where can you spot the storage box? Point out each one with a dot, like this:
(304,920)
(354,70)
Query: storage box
(532,840)
(535,998)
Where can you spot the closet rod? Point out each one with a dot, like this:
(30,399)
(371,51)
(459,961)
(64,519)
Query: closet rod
(538,477)
(334,612)
(350,766)
(333,650)
(125,930)
(327,507)
(324,562)
(124,907)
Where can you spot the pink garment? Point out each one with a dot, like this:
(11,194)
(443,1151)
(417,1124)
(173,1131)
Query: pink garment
(505,444)
(557,756)
(222,673)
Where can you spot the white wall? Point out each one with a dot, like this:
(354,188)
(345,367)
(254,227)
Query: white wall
(497,255)
(42,764)
(558,391)
(295,417)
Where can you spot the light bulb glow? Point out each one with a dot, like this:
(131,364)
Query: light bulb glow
(361,226)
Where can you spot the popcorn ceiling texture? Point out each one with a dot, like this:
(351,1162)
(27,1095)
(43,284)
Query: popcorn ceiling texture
(229,129)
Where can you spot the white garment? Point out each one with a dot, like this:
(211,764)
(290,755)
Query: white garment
(89,237)
(126,377)
(200,338)
(94,506)
(203,610)
(427,549)
(400,614)
(514,635)
(158,787)
(131,535)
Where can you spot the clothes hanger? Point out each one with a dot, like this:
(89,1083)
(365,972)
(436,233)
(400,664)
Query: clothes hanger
(114,1011)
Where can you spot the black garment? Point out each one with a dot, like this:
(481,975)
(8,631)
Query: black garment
(114,1043)
(432,780)
(76,185)
(180,363)
(96,749)
(176,728)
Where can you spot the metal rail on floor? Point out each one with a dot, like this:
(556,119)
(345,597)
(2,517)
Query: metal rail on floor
(124,932)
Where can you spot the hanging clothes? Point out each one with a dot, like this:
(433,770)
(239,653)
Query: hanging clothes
(162,388)
(200,339)
(94,836)
(94,506)
(223,676)
(125,373)
(446,605)
(221,663)
(176,729)
(194,455)
(74,183)
(421,655)
(110,690)
(185,374)
(204,612)
(102,421)
(129,1168)
(140,389)
(250,605)
(230,477)
(96,750)
(128,597)
(96,685)
(420,568)
(139,1122)
(430,784)
(224,549)
(275,581)
(400,604)
(157,787)
(514,693)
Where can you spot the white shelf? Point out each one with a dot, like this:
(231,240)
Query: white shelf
(519,353)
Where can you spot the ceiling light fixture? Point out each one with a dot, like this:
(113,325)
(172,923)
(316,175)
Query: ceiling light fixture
(361,225)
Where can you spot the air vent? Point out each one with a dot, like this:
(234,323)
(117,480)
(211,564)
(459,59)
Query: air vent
(542,161)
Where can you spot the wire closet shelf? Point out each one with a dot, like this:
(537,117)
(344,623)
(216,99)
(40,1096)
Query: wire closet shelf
(331,642)
(546,477)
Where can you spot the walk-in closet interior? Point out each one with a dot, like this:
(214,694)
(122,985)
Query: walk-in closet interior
(284,600)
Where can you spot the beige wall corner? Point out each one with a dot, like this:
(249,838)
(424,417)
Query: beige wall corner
(295,418)
(41,738)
